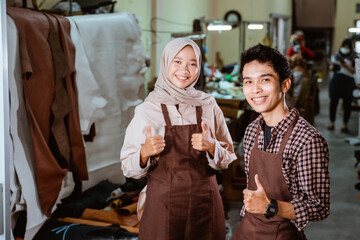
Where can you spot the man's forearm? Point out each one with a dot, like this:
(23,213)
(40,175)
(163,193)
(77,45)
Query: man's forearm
(286,210)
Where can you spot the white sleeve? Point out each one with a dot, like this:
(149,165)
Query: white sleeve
(130,151)
(224,151)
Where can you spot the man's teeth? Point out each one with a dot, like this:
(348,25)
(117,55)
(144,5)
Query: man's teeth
(258,99)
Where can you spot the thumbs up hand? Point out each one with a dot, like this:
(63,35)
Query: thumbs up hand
(152,146)
(256,201)
(203,141)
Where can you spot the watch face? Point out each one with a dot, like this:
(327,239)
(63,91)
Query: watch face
(271,209)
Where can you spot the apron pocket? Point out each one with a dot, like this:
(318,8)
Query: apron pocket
(188,200)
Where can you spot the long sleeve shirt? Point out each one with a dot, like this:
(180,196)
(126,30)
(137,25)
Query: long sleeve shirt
(150,113)
(305,52)
(305,166)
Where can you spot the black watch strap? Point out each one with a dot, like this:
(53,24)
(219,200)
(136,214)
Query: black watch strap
(271,209)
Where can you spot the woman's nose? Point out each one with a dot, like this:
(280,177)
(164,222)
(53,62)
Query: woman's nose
(185,68)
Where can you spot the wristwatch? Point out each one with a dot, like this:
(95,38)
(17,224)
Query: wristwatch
(271,209)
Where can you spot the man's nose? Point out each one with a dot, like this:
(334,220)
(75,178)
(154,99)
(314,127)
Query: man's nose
(256,88)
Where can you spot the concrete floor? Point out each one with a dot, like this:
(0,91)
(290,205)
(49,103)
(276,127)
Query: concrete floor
(344,220)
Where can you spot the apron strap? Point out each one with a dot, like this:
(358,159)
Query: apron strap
(288,134)
(166,115)
(286,137)
(167,118)
(256,138)
(198,115)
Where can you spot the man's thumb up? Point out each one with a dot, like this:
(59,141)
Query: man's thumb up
(258,184)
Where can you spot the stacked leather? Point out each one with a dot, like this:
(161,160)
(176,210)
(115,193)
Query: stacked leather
(59,230)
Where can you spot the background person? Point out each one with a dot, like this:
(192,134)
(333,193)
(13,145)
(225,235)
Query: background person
(342,83)
(298,47)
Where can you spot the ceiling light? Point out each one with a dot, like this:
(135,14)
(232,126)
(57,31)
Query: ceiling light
(354,30)
(253,26)
(218,27)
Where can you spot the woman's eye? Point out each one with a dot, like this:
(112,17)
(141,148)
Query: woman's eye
(177,61)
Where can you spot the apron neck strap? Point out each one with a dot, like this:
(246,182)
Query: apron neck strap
(167,118)
(198,115)
(257,137)
(288,134)
(166,115)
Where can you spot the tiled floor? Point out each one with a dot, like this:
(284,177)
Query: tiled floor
(344,220)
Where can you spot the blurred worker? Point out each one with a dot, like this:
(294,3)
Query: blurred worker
(342,83)
(297,47)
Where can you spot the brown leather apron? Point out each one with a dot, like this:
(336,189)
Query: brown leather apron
(182,197)
(268,166)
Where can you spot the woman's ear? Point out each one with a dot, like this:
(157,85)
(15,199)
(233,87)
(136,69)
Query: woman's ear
(285,85)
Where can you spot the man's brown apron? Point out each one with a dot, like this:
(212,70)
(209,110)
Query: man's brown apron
(182,198)
(268,166)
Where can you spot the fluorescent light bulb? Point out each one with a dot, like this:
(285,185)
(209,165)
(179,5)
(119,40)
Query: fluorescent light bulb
(255,26)
(218,27)
(354,30)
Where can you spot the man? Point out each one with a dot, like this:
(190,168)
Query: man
(286,159)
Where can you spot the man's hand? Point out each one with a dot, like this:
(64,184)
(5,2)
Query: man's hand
(203,141)
(256,201)
(153,146)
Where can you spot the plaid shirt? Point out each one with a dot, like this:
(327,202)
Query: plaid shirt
(305,166)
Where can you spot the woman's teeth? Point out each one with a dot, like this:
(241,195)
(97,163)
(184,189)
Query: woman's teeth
(182,78)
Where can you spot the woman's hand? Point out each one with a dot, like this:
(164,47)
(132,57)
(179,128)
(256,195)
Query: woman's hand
(203,141)
(152,146)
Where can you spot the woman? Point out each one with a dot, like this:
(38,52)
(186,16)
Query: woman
(342,84)
(178,137)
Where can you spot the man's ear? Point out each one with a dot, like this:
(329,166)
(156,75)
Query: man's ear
(285,85)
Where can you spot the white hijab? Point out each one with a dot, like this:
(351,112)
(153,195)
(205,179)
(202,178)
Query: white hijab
(165,92)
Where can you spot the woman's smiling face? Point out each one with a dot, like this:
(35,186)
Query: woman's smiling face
(184,69)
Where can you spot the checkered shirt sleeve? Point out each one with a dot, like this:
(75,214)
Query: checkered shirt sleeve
(312,201)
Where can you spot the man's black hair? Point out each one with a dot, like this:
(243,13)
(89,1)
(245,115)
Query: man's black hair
(271,56)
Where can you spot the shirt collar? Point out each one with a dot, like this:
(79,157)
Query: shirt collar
(283,125)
